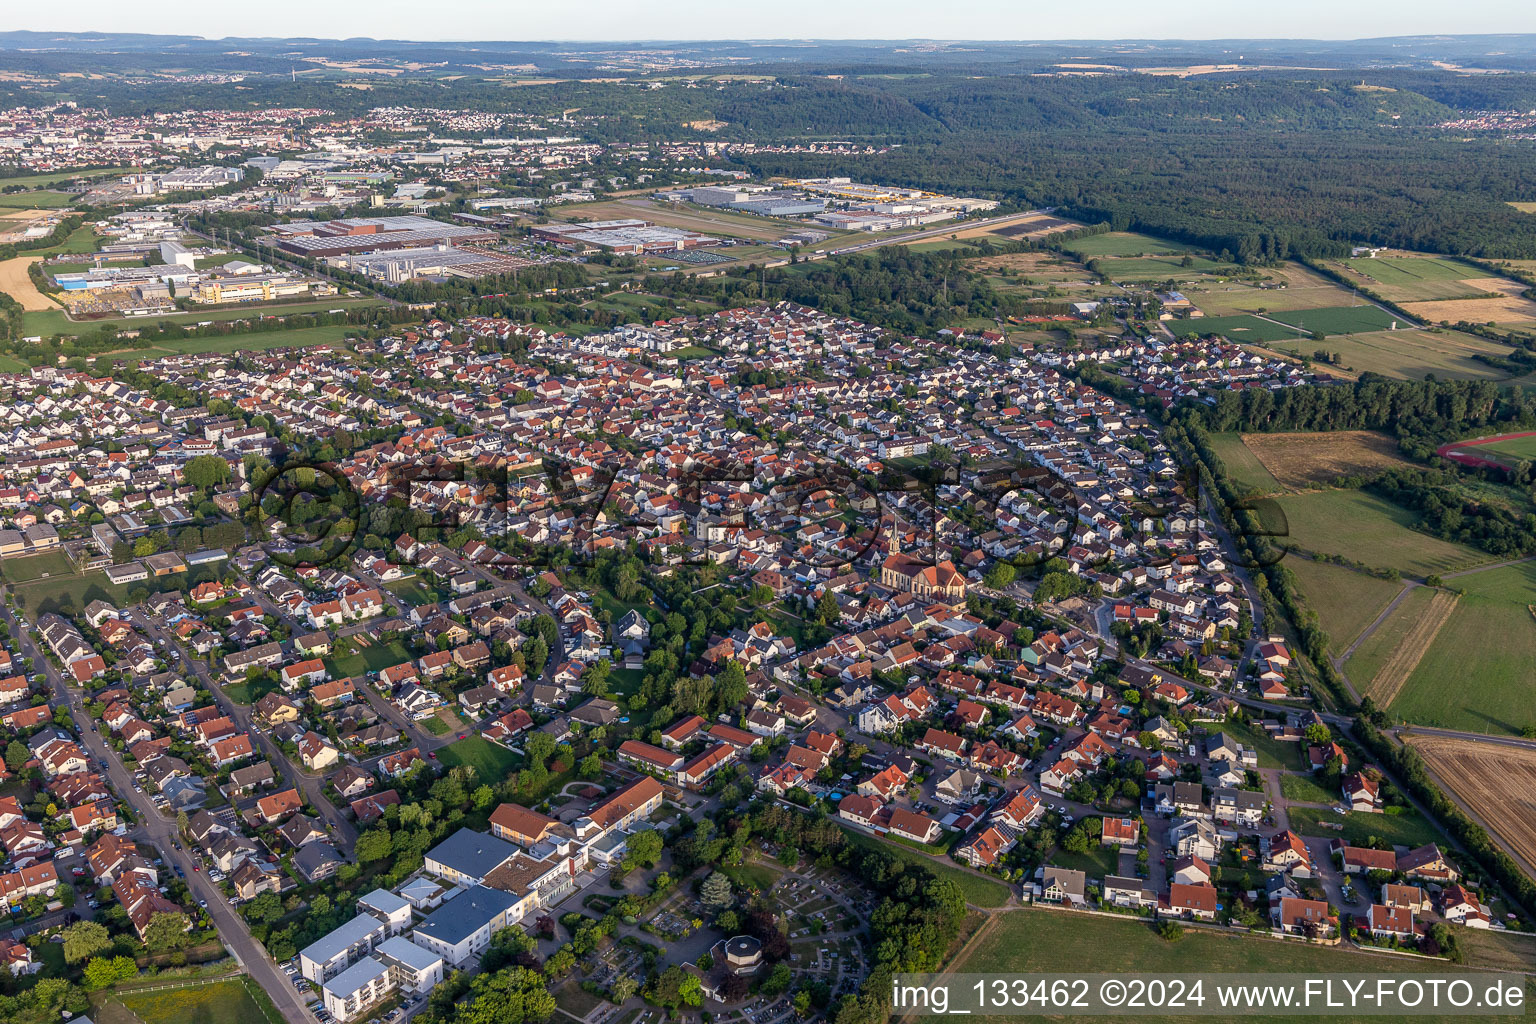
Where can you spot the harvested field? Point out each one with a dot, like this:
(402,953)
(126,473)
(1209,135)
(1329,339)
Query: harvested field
(1496,781)
(1304,459)
(15,282)
(1384,688)
(1030,263)
(1509,308)
(1037,226)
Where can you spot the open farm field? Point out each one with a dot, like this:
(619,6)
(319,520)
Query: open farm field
(1388,681)
(1509,307)
(54,177)
(1038,266)
(1497,782)
(1407,355)
(1160,268)
(1291,286)
(1378,648)
(1371,530)
(43,199)
(1037,225)
(1345,600)
(1339,319)
(1416,278)
(1242,328)
(299,337)
(17,283)
(1045,940)
(1123,243)
(1242,465)
(1305,459)
(52,321)
(1476,674)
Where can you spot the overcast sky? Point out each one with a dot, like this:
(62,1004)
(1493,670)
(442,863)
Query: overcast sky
(781,19)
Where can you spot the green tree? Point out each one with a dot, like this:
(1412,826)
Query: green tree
(623,987)
(1000,575)
(266,908)
(514,995)
(373,845)
(540,747)
(645,847)
(166,932)
(84,939)
(103,972)
(778,980)
(206,471)
(16,755)
(716,892)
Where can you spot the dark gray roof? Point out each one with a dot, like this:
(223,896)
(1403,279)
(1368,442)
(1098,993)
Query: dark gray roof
(470,853)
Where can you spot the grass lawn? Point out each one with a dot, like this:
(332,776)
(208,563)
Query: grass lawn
(491,762)
(81,240)
(434,725)
(618,609)
(54,177)
(979,890)
(412,591)
(1406,829)
(1305,788)
(1370,530)
(1096,863)
(224,1002)
(752,876)
(1346,601)
(249,693)
(1243,467)
(1339,319)
(1487,647)
(1272,752)
(42,200)
(575,1000)
(32,567)
(1241,328)
(1052,941)
(10,364)
(1123,243)
(374,658)
(1514,447)
(78,591)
